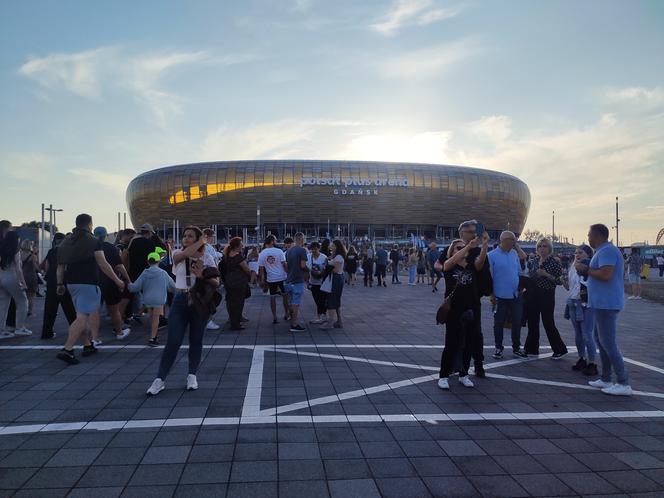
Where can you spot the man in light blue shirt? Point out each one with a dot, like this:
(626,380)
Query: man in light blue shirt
(606,297)
(505,266)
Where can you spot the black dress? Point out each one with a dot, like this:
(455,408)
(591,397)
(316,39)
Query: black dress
(462,328)
(237,284)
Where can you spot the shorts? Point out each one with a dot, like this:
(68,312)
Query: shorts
(294,293)
(436,274)
(110,294)
(633,278)
(276,288)
(86,298)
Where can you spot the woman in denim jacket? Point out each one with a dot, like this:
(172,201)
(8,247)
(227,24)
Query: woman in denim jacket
(580,315)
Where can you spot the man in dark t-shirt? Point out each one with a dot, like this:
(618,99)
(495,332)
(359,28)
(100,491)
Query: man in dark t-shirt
(394,258)
(53,300)
(137,259)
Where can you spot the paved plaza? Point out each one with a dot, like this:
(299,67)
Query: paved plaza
(341,413)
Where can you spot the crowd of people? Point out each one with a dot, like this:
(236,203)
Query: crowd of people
(142,275)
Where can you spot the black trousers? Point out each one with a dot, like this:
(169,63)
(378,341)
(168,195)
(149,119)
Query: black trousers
(51,304)
(320,299)
(11,315)
(477,352)
(367,267)
(380,273)
(235,305)
(461,339)
(542,303)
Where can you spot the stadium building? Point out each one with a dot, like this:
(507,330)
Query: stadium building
(352,199)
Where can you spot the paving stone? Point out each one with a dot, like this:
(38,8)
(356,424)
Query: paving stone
(96,492)
(301,470)
(354,488)
(166,454)
(120,456)
(450,486)
(27,458)
(206,473)
(15,478)
(587,483)
(630,481)
(298,489)
(402,487)
(380,449)
(42,493)
(499,447)
(538,446)
(296,435)
(543,485)
(340,450)
(490,486)
(478,466)
(73,457)
(461,448)
(347,469)
(113,475)
(129,439)
(639,460)
(155,475)
(252,490)
(224,436)
(391,467)
(175,438)
(561,463)
(89,440)
(148,492)
(211,453)
(255,471)
(421,448)
(200,490)
(46,441)
(56,477)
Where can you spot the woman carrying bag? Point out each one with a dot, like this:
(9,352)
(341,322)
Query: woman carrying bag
(462,319)
(236,275)
(334,284)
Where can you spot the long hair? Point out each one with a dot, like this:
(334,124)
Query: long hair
(8,249)
(352,250)
(197,231)
(339,248)
(450,250)
(27,245)
(232,245)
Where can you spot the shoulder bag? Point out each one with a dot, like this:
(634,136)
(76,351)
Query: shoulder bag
(445,307)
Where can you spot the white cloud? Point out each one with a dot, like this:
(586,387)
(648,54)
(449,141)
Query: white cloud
(78,72)
(636,94)
(495,128)
(90,73)
(33,167)
(411,12)
(111,181)
(428,62)
(427,147)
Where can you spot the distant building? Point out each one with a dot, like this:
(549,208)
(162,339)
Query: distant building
(346,198)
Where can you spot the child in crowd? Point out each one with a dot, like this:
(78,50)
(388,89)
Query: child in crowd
(155,284)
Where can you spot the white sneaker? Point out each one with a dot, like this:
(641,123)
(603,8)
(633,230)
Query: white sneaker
(212,326)
(156,387)
(6,334)
(466,382)
(123,334)
(618,390)
(192,383)
(96,343)
(443,384)
(316,321)
(600,384)
(23,331)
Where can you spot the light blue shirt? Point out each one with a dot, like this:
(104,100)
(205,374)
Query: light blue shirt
(607,295)
(505,268)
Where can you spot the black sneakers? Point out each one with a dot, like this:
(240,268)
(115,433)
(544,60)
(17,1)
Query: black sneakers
(557,356)
(297,328)
(68,357)
(590,370)
(498,353)
(520,353)
(479,371)
(89,350)
(580,365)
(153,342)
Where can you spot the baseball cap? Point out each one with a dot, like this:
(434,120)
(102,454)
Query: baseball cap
(146,227)
(154,256)
(100,232)
(159,250)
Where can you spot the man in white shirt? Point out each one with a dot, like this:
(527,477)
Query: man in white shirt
(211,258)
(272,269)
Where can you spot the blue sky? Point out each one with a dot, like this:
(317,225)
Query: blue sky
(566,95)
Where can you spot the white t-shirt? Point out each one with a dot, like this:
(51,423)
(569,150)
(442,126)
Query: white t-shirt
(338,259)
(660,260)
(273,259)
(180,272)
(319,262)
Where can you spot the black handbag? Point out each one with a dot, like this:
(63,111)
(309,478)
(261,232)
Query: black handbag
(445,307)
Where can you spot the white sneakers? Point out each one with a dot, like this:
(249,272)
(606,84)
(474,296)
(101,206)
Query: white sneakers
(600,384)
(634,297)
(319,319)
(156,387)
(6,334)
(618,390)
(610,388)
(23,331)
(465,381)
(96,343)
(212,326)
(123,335)
(192,383)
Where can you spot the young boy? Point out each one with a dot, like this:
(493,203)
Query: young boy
(155,284)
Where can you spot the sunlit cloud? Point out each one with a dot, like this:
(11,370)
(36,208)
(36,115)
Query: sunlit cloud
(111,181)
(404,13)
(638,95)
(430,61)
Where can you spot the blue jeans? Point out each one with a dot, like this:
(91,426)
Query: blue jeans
(412,274)
(584,334)
(513,307)
(605,333)
(180,317)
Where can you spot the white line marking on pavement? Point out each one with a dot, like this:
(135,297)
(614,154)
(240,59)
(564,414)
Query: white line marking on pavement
(319,419)
(356,358)
(252,397)
(644,365)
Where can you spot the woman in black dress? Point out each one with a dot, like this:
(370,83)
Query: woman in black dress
(462,327)
(351,265)
(236,280)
